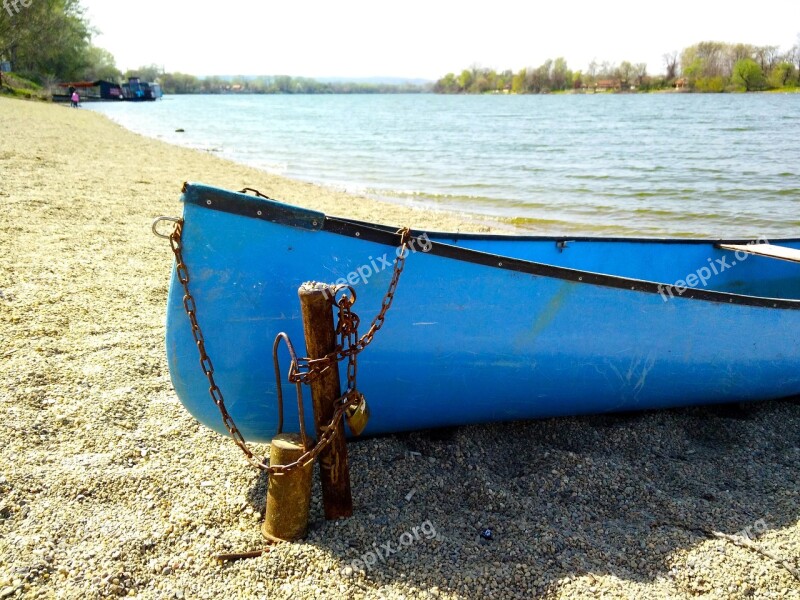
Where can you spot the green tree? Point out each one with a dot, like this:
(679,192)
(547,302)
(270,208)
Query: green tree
(446,85)
(706,60)
(626,74)
(656,82)
(213,85)
(783,75)
(737,52)
(464,80)
(283,84)
(714,84)
(560,75)
(49,39)
(518,82)
(179,83)
(484,80)
(101,65)
(538,79)
(146,73)
(748,74)
(692,70)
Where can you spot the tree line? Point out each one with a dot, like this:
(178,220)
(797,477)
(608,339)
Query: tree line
(703,67)
(182,83)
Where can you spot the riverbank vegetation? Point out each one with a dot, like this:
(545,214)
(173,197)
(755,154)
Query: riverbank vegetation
(49,41)
(14,85)
(703,67)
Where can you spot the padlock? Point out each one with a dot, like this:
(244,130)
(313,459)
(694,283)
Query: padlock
(358,415)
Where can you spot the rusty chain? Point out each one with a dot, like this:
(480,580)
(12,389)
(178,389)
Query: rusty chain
(302,370)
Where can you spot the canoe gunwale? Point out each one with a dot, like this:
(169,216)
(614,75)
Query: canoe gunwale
(254,207)
(504,237)
(292,216)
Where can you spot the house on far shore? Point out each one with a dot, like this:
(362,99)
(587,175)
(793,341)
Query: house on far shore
(605,85)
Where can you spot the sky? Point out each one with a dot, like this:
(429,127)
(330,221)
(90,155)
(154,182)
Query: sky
(421,38)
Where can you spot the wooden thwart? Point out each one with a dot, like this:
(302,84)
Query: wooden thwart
(768,250)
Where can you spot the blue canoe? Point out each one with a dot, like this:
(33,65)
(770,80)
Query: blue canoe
(483,327)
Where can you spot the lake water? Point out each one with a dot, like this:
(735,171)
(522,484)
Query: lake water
(649,164)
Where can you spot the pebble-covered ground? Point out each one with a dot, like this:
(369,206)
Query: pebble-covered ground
(109,488)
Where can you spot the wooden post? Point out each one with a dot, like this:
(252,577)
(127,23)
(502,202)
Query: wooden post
(288,495)
(317,313)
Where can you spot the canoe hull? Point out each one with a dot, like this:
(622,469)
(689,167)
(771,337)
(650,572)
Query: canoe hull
(464,342)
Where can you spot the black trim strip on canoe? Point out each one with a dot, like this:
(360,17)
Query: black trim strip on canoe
(503,237)
(285,214)
(390,237)
(239,203)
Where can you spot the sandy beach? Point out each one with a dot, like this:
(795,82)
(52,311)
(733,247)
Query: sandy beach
(109,488)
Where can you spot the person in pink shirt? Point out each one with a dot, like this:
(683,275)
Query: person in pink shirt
(75,99)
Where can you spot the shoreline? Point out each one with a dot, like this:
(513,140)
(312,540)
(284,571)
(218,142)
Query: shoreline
(108,487)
